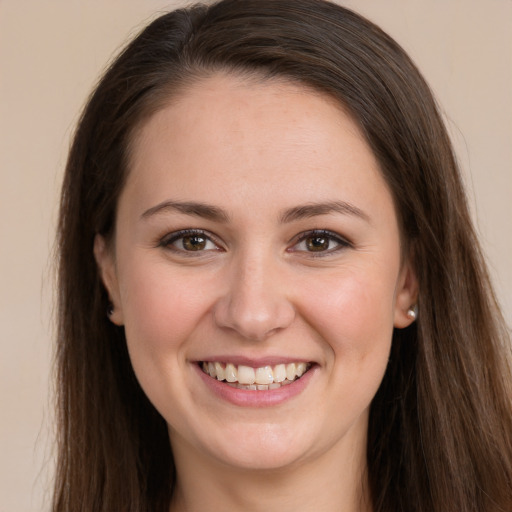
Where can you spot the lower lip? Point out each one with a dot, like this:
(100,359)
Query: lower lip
(256,398)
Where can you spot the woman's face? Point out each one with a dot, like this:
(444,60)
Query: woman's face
(256,239)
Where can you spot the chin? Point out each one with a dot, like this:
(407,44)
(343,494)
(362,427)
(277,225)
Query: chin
(263,447)
(262,456)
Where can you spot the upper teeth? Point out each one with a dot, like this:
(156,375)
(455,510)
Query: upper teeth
(248,375)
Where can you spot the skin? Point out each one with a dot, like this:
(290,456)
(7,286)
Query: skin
(256,151)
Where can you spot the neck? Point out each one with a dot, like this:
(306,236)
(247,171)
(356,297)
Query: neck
(332,482)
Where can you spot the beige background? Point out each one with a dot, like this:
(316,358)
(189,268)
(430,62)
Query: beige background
(51,53)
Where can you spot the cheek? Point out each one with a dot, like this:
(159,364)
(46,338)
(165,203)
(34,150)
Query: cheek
(161,309)
(354,315)
(354,303)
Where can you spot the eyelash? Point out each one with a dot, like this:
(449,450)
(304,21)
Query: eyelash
(168,241)
(328,237)
(325,234)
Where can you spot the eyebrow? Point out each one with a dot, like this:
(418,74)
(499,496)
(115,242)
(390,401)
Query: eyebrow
(188,208)
(316,209)
(217,214)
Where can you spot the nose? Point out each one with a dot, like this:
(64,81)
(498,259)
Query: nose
(255,303)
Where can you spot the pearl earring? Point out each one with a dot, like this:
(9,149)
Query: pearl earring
(412,312)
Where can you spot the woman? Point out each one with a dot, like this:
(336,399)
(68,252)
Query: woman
(271,295)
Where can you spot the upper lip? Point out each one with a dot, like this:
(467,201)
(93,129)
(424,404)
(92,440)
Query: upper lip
(254,362)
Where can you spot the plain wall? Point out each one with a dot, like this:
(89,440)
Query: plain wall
(51,53)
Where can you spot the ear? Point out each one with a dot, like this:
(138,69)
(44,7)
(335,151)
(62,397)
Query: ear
(406,296)
(104,257)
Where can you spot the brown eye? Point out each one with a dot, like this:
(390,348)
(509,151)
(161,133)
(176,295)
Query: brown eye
(317,243)
(187,241)
(194,242)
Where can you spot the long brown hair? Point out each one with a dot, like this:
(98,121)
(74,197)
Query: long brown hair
(440,431)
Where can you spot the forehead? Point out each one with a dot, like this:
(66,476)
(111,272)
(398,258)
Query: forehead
(228,137)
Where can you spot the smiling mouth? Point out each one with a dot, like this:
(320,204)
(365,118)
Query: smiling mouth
(255,379)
